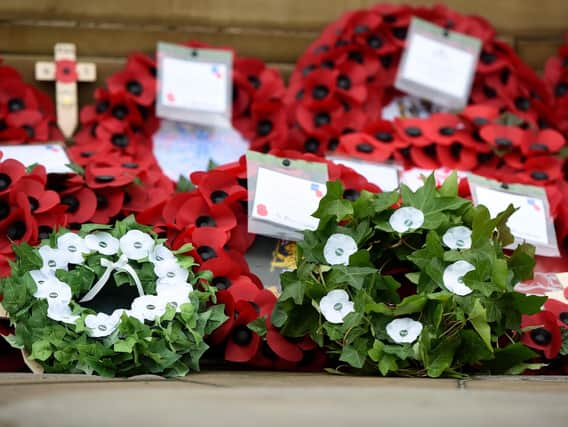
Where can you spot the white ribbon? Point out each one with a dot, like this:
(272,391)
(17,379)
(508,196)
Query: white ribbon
(120,265)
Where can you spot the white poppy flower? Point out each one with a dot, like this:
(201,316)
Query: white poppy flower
(53,259)
(101,324)
(160,254)
(404,330)
(73,246)
(171,270)
(54,290)
(148,307)
(336,305)
(102,242)
(136,244)
(166,288)
(176,296)
(458,237)
(40,278)
(338,248)
(453,277)
(61,312)
(406,219)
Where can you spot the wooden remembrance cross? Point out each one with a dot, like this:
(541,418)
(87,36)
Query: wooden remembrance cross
(66,72)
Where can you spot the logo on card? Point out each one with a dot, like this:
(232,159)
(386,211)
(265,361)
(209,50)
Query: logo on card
(534,204)
(315,187)
(216,72)
(261,210)
(170,97)
(53,148)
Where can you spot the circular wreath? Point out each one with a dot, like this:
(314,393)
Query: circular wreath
(410,284)
(53,298)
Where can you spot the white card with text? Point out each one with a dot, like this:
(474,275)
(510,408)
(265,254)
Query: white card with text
(52,156)
(287,200)
(438,64)
(194,85)
(531,222)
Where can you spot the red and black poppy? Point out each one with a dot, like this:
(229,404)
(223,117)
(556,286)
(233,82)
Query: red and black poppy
(40,199)
(197,212)
(135,82)
(546,141)
(544,334)
(541,170)
(11,171)
(109,204)
(18,225)
(412,131)
(208,242)
(502,137)
(81,205)
(364,146)
(560,311)
(32,122)
(218,187)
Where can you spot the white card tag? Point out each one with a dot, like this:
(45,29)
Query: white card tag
(386,176)
(410,107)
(531,222)
(194,85)
(438,64)
(287,200)
(52,156)
(182,148)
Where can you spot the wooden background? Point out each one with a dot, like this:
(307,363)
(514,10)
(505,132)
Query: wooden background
(276,31)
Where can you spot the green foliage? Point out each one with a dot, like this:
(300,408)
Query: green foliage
(170,346)
(401,275)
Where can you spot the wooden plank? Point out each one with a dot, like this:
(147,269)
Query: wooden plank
(120,41)
(506,15)
(536,52)
(353,401)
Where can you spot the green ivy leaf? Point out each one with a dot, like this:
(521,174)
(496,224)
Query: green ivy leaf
(528,304)
(351,276)
(478,318)
(41,350)
(333,204)
(184,185)
(258,325)
(410,304)
(509,357)
(443,357)
(353,355)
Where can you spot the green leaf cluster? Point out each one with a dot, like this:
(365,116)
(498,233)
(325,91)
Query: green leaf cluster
(395,275)
(171,346)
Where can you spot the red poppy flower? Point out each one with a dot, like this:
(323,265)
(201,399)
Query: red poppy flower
(560,311)
(208,242)
(502,137)
(106,177)
(218,187)
(446,129)
(136,82)
(195,211)
(323,119)
(541,170)
(546,336)
(153,216)
(242,343)
(320,87)
(10,173)
(425,157)
(494,57)
(15,94)
(364,146)
(121,139)
(18,226)
(81,204)
(32,121)
(412,131)
(109,204)
(457,156)
(547,141)
(480,115)
(39,198)
(385,132)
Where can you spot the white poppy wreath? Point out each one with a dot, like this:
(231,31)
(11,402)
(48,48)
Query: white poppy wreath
(410,283)
(56,299)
